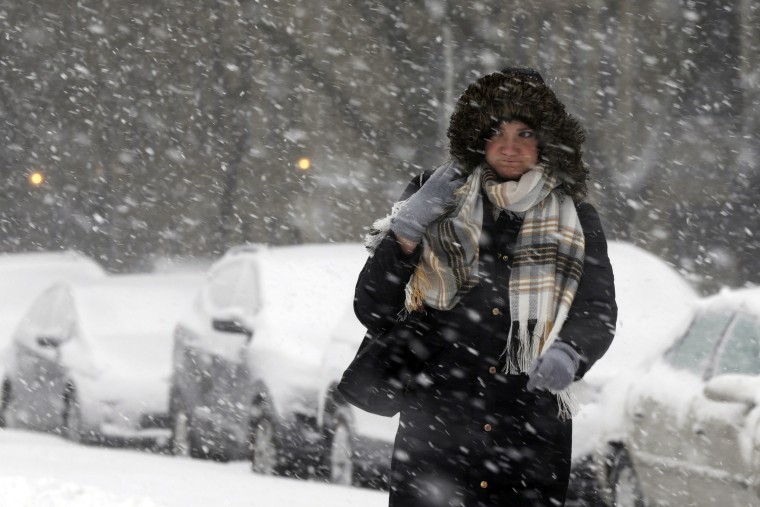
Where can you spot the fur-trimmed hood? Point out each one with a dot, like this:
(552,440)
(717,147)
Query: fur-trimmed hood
(519,94)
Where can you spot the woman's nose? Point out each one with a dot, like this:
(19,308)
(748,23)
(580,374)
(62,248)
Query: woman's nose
(509,146)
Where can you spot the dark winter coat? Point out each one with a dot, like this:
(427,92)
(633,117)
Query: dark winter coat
(464,424)
(469,435)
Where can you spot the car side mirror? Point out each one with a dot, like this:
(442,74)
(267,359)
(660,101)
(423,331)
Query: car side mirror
(231,326)
(733,388)
(51,342)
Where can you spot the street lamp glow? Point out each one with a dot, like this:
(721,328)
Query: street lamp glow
(304,163)
(36,179)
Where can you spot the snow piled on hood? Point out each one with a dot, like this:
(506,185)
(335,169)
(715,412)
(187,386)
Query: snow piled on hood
(128,320)
(655,306)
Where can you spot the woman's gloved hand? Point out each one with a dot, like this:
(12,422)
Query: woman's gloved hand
(428,203)
(555,369)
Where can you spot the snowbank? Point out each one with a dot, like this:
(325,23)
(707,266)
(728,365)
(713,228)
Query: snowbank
(40,470)
(23,492)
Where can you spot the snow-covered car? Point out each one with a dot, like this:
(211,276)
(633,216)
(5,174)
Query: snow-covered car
(655,305)
(693,418)
(92,359)
(25,275)
(247,354)
(357,445)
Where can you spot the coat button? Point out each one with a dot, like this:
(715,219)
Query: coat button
(496,311)
(483,484)
(492,370)
(487,427)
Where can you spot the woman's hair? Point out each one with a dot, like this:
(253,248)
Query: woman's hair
(519,93)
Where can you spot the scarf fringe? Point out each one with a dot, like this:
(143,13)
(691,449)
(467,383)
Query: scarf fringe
(527,347)
(567,405)
(527,351)
(380,228)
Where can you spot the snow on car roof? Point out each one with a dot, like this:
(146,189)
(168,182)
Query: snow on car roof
(15,261)
(747,299)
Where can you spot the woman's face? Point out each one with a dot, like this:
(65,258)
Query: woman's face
(513,150)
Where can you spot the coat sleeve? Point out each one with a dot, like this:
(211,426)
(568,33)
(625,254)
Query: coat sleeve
(590,325)
(380,290)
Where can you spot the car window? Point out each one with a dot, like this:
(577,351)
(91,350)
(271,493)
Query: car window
(63,316)
(223,284)
(235,285)
(248,289)
(692,352)
(741,351)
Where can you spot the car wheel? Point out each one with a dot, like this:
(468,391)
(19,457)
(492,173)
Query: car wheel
(184,439)
(263,446)
(339,449)
(626,488)
(72,419)
(180,444)
(584,488)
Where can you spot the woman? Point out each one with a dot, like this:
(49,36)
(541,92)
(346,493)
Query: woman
(501,267)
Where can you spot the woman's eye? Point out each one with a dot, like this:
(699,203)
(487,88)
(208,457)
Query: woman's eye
(527,134)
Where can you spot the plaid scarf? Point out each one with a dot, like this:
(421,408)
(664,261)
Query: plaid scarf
(547,264)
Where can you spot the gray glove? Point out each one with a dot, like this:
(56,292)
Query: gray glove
(428,203)
(555,369)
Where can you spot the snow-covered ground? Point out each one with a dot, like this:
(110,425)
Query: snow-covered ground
(40,470)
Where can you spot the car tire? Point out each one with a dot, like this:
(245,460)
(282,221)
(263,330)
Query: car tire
(184,439)
(180,442)
(584,489)
(263,450)
(72,419)
(339,458)
(624,483)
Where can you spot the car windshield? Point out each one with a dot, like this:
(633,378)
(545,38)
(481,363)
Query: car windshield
(693,351)
(741,352)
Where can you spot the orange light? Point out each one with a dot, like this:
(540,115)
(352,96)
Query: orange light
(304,163)
(36,179)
